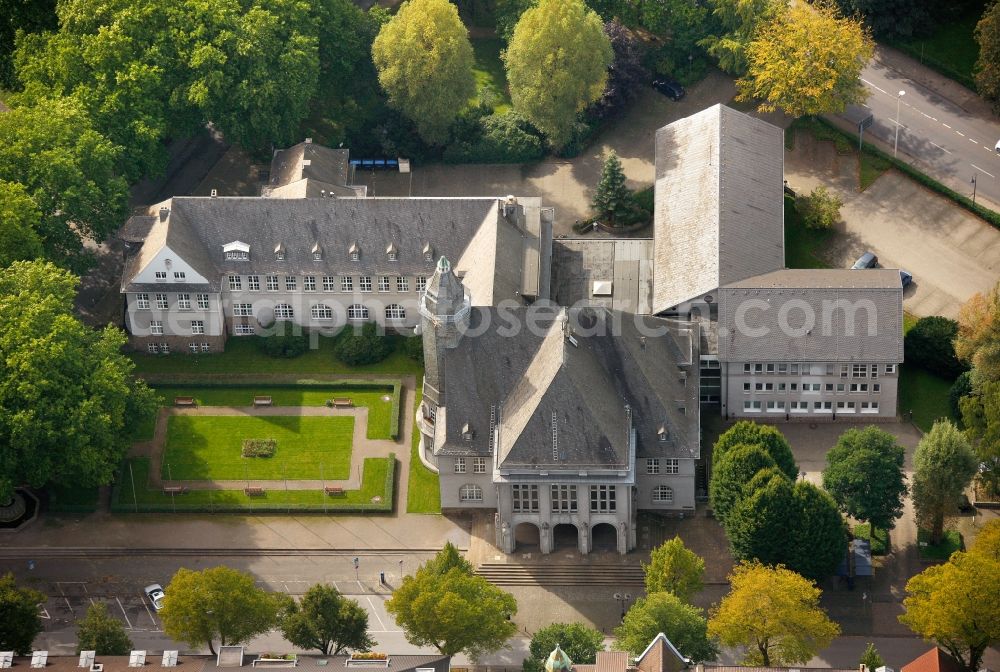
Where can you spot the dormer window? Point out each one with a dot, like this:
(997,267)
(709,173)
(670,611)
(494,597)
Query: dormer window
(354,252)
(317,252)
(279,252)
(236,251)
(467,432)
(662,434)
(391,252)
(428,252)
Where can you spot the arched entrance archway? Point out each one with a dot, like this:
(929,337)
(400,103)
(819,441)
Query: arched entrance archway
(527,538)
(605,538)
(565,537)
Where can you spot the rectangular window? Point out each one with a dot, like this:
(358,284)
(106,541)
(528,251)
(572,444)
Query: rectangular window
(672,465)
(829,369)
(746,368)
(184,302)
(602,499)
(365,283)
(161,301)
(652,466)
(383,283)
(242,310)
(205,347)
(152,348)
(142,301)
(328,283)
(283,311)
(197,326)
(402,284)
(290,283)
(822,406)
(800,407)
(794,387)
(758,368)
(525,498)
(563,498)
(202,301)
(235,283)
(746,388)
(253,283)
(161,276)
(859,371)
(775,407)
(165,348)
(237,255)
(828,387)
(346,283)
(793,369)
(890,368)
(322,312)
(782,387)
(869,407)
(876,388)
(193,347)
(459,465)
(782,368)
(421,283)
(309,283)
(769,368)
(751,406)
(479,465)
(840,387)
(874,370)
(244,330)
(844,370)
(156,327)
(179,276)
(272,283)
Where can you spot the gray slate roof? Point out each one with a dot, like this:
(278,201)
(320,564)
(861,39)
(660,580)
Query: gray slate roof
(718,203)
(324,166)
(834,315)
(488,247)
(529,376)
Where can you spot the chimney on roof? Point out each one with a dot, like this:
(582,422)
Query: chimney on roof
(509,206)
(164,212)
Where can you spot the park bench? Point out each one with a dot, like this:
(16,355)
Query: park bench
(261,401)
(334,490)
(254,491)
(184,401)
(343,402)
(174,490)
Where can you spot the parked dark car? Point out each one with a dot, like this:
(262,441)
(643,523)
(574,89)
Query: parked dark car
(669,88)
(865,261)
(905,277)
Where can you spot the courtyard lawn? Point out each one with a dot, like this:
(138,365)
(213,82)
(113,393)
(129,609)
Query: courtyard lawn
(202,447)
(377,482)
(489,72)
(377,400)
(951,542)
(802,243)
(242,356)
(923,393)
(423,492)
(879,542)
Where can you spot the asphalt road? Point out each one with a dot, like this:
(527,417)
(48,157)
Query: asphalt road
(952,145)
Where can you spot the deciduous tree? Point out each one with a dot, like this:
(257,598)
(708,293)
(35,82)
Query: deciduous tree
(683,624)
(820,209)
(15,15)
(732,472)
(980,410)
(674,568)
(424,61)
(758,526)
(817,538)
(978,340)
(20,620)
(579,642)
(871,658)
(944,464)
(773,612)
(749,433)
(101,632)
(557,64)
(446,606)
(217,603)
(864,474)
(738,21)
(930,344)
(987,70)
(20,220)
(988,540)
(326,621)
(956,605)
(892,18)
(807,60)
(67,396)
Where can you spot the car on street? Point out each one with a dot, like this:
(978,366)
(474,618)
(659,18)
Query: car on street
(865,261)
(669,88)
(996,147)
(155,594)
(905,277)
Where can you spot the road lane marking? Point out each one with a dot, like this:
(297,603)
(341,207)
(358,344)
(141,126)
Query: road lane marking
(123,613)
(45,613)
(981,170)
(874,87)
(945,125)
(960,133)
(69,606)
(975,141)
(940,147)
(149,612)
(381,624)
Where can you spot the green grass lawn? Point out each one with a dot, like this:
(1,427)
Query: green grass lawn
(879,542)
(952,50)
(489,72)
(802,243)
(951,542)
(923,393)
(209,447)
(375,482)
(243,356)
(423,493)
(378,401)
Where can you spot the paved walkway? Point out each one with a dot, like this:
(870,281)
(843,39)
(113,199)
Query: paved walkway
(361,447)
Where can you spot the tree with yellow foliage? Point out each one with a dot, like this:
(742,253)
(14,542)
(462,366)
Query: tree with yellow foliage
(978,340)
(957,604)
(774,613)
(807,60)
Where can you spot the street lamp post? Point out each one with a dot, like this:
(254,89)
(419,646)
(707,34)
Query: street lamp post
(895,144)
(974,176)
(623,600)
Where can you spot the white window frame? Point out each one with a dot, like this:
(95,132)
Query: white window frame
(329,283)
(321,311)
(156,327)
(663,494)
(184,301)
(394,311)
(162,301)
(365,283)
(197,327)
(202,301)
(421,283)
(242,310)
(479,465)
(235,283)
(244,330)
(524,498)
(383,283)
(161,276)
(402,284)
(357,311)
(291,283)
(470,492)
(253,283)
(308,283)
(284,311)
(271,283)
(671,465)
(460,465)
(652,465)
(142,301)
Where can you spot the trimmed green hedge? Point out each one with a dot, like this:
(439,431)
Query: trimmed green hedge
(378,479)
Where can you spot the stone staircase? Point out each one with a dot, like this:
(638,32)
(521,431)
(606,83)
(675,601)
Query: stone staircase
(606,574)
